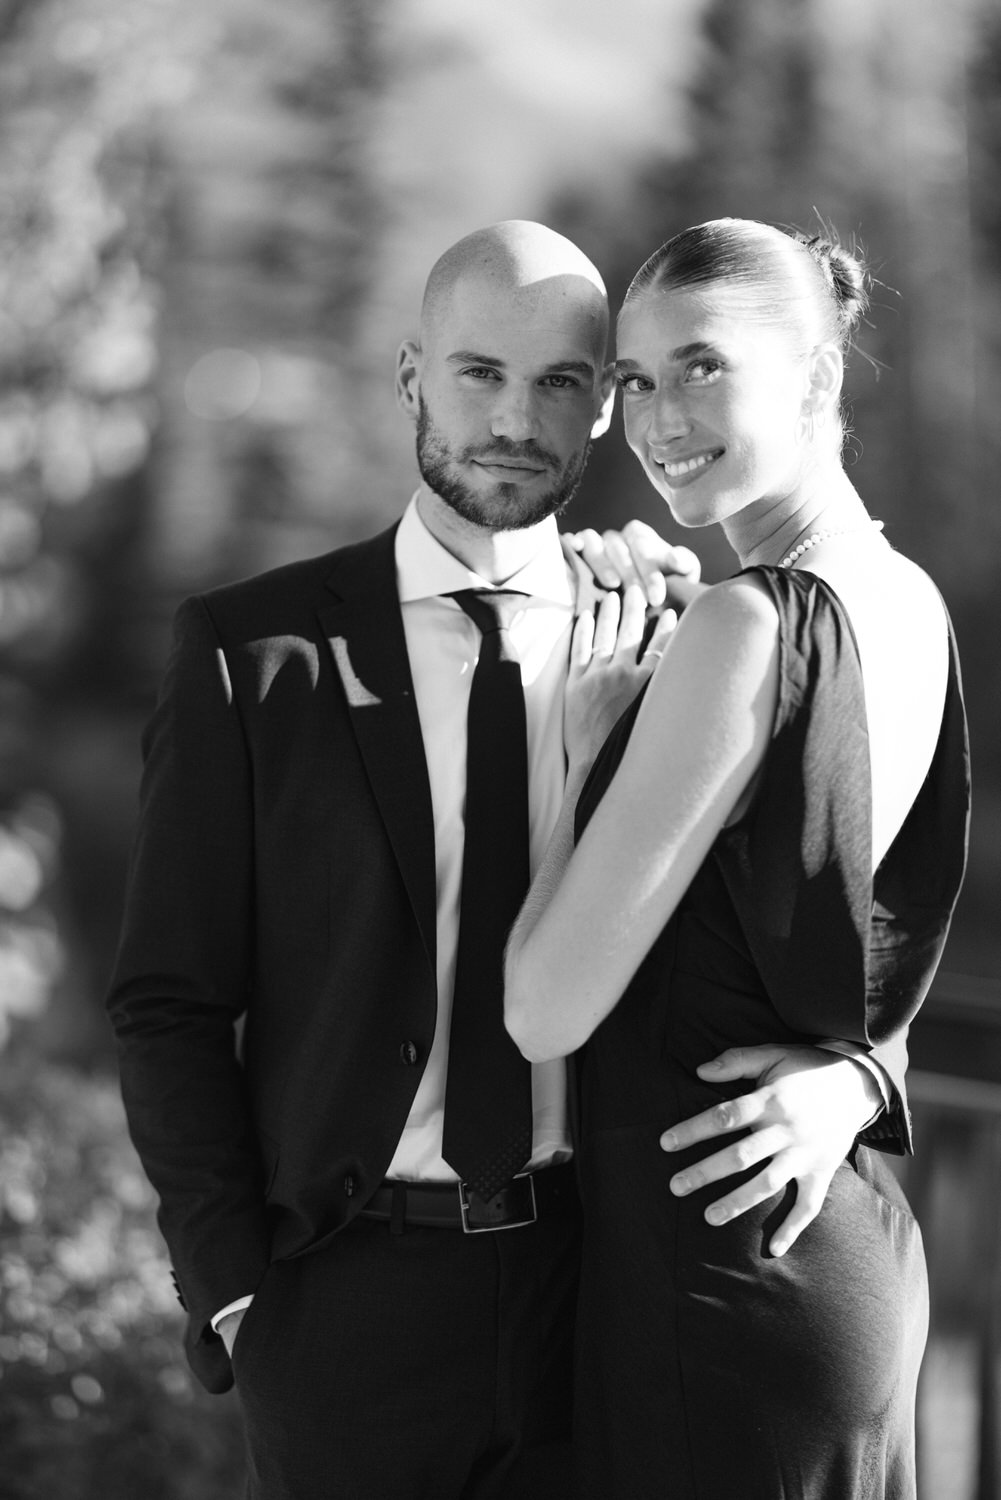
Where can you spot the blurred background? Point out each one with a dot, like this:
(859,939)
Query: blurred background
(216,217)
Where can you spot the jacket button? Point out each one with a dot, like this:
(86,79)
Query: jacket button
(349,1186)
(409,1053)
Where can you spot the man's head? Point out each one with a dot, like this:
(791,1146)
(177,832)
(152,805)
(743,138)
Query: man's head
(508,383)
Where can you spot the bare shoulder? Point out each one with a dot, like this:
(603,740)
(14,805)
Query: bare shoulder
(725,649)
(742,603)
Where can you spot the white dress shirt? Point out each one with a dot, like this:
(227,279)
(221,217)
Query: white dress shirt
(443,645)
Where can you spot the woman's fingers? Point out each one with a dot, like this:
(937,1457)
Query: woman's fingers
(581,642)
(615,633)
(632,622)
(606,626)
(657,644)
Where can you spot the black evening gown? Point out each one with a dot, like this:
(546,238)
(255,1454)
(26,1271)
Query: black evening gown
(708,1369)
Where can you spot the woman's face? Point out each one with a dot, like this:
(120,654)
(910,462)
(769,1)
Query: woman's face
(713,399)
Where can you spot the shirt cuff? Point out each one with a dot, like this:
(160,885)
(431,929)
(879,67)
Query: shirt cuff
(860,1055)
(231,1307)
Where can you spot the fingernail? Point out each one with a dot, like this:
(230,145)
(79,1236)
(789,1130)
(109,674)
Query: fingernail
(669,1141)
(716,1215)
(779,1247)
(710,1067)
(680,1186)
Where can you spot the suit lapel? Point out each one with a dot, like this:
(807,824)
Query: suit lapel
(364,631)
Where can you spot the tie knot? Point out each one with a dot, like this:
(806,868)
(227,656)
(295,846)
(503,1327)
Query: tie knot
(490,609)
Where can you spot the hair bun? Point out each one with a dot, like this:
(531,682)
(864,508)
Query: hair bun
(846,274)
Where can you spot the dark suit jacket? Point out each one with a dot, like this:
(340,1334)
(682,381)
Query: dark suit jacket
(284,868)
(284,872)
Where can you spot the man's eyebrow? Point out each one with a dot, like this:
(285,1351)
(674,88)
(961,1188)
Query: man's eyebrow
(561,366)
(470,357)
(571,367)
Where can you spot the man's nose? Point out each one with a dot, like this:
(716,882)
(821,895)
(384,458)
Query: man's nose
(515,414)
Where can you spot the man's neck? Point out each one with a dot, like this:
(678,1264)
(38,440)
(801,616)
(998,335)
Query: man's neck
(495,555)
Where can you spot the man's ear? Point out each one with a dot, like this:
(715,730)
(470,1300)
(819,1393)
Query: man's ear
(604,416)
(408,378)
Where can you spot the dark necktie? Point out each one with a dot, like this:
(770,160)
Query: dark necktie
(487,1135)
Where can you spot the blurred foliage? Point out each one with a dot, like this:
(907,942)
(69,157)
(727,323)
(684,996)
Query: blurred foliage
(881,120)
(96,1398)
(187,224)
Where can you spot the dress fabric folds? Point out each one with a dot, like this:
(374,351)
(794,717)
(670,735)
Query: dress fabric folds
(708,1369)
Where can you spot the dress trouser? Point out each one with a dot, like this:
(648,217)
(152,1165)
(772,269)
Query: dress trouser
(423,1365)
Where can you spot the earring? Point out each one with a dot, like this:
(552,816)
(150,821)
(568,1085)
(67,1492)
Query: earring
(812,421)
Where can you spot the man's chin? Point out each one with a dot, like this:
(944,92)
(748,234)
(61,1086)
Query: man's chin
(500,506)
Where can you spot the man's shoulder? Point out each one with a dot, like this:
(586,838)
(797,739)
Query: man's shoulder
(306,582)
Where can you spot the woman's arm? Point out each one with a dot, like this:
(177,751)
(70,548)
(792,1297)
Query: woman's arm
(593,913)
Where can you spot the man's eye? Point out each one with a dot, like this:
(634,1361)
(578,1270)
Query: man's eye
(481,372)
(633,385)
(562,382)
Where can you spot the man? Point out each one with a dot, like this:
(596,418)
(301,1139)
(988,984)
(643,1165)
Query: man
(299,863)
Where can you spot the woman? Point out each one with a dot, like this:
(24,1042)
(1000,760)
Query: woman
(771,842)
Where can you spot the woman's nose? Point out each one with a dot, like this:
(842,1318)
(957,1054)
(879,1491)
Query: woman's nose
(668,420)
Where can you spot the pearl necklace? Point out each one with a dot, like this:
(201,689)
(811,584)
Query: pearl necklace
(816,537)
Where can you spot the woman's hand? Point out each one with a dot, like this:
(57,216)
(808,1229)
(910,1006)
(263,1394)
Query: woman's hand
(636,554)
(607,669)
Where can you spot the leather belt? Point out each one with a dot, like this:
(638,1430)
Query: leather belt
(452,1205)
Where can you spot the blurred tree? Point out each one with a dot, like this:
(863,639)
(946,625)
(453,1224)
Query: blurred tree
(814,112)
(189,229)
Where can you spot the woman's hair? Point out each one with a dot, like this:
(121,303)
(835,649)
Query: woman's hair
(810,285)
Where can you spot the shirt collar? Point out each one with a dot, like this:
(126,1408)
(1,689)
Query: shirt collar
(424,568)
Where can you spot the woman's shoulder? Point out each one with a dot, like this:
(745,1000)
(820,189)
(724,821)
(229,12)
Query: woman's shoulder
(725,650)
(732,627)
(743,601)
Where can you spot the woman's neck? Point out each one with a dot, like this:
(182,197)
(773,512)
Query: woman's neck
(767,534)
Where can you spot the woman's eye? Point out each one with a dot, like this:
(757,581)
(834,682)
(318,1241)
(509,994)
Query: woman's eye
(704,369)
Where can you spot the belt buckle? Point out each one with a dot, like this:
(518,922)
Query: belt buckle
(523,1187)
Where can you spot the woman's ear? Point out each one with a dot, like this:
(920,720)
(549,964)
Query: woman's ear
(826,375)
(408,378)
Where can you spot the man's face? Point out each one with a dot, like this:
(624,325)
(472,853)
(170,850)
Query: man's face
(510,387)
(518,498)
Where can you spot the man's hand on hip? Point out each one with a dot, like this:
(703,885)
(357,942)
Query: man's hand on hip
(803,1118)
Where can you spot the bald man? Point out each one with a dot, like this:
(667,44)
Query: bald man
(298,866)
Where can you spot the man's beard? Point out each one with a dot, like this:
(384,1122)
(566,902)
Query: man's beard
(506,507)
